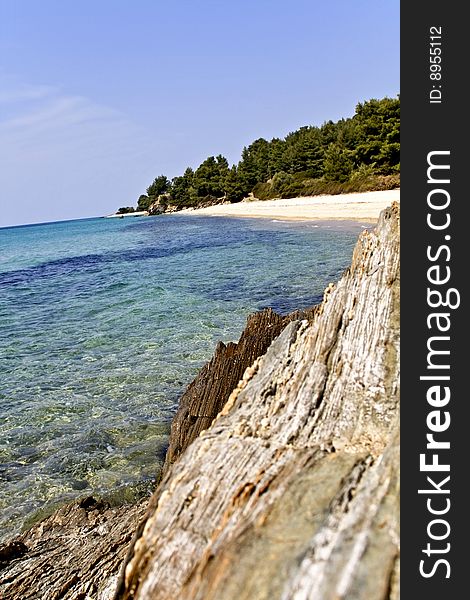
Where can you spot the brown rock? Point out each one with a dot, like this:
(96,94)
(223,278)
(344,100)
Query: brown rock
(292,493)
(210,390)
(74,554)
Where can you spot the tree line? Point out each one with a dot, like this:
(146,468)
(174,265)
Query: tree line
(359,153)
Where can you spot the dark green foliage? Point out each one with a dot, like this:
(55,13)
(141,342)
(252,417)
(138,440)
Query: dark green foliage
(247,173)
(209,177)
(316,187)
(304,151)
(234,191)
(377,134)
(277,160)
(255,162)
(262,191)
(360,153)
(160,185)
(337,164)
(281,182)
(182,188)
(143,202)
(125,210)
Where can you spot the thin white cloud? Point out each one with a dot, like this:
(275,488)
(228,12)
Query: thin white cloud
(24,93)
(54,122)
(66,148)
(50,111)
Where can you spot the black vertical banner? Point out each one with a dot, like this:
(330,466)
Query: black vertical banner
(435,447)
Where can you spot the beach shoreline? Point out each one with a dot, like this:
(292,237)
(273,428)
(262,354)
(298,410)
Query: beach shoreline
(136,213)
(363,207)
(104,527)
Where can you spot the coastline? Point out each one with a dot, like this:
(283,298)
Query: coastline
(140,213)
(364,207)
(339,461)
(298,242)
(302,460)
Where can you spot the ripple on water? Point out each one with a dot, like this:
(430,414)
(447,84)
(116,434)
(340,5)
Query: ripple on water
(104,322)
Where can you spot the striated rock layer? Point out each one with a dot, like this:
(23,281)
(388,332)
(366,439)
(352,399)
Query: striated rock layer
(292,492)
(207,394)
(77,552)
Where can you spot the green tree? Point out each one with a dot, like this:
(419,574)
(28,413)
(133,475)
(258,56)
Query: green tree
(253,167)
(281,183)
(337,164)
(143,202)
(304,152)
(277,159)
(209,177)
(247,172)
(377,132)
(232,186)
(160,185)
(181,188)
(328,133)
(223,171)
(352,149)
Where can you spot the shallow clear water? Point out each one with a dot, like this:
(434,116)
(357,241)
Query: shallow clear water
(103,322)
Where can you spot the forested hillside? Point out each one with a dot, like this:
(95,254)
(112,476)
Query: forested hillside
(359,153)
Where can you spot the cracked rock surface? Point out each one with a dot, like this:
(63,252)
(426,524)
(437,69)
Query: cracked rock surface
(207,394)
(292,492)
(74,554)
(77,552)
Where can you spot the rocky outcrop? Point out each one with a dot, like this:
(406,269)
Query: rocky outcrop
(292,493)
(207,394)
(87,540)
(74,554)
(159,206)
(163,204)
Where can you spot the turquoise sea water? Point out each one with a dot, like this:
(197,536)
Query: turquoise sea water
(103,322)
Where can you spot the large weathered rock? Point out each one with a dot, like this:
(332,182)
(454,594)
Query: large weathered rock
(292,493)
(86,541)
(207,394)
(74,554)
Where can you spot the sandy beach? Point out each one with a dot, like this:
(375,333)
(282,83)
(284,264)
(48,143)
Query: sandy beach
(356,207)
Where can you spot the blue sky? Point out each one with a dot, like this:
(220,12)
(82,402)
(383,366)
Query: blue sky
(99,97)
